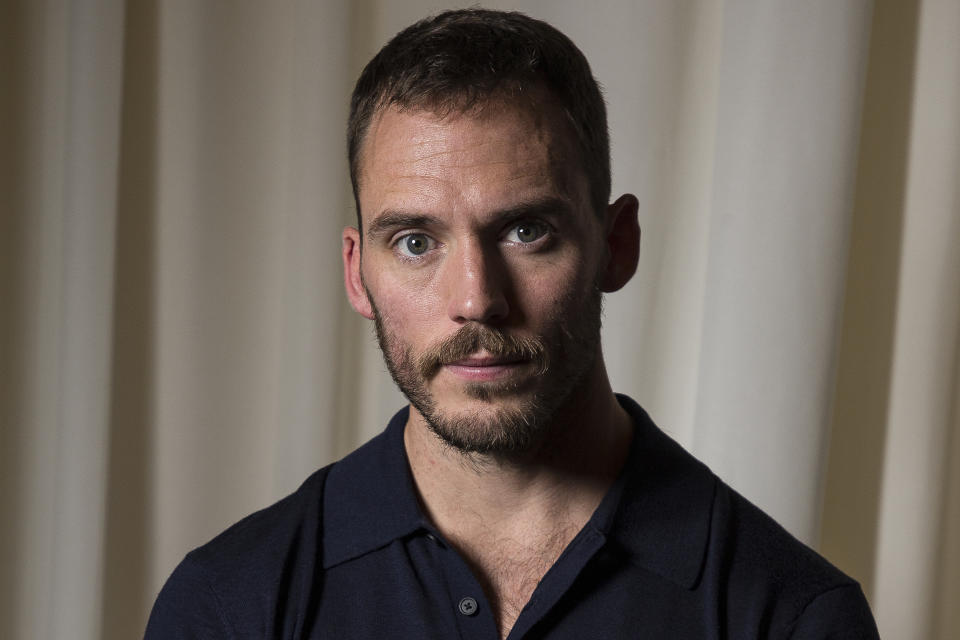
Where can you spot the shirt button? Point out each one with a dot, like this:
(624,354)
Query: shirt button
(468,606)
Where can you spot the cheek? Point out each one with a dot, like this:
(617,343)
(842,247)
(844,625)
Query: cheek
(552,290)
(406,309)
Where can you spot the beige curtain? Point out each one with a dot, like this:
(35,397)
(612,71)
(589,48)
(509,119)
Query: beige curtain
(176,350)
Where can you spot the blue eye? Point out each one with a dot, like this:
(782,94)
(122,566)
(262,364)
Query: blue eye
(527,232)
(414,244)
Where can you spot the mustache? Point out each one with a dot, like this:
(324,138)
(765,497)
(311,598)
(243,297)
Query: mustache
(471,338)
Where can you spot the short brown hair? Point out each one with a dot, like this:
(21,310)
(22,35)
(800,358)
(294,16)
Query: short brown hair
(458,60)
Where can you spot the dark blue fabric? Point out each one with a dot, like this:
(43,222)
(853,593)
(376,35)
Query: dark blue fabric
(671,552)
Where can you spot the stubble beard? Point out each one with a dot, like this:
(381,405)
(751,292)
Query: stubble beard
(516,414)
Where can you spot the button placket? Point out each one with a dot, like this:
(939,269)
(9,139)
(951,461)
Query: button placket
(467,601)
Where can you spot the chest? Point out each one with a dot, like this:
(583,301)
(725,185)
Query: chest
(414,589)
(510,568)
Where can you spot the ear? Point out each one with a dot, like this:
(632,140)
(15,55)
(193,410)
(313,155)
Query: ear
(352,280)
(622,229)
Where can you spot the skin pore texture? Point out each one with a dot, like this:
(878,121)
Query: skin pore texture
(482,265)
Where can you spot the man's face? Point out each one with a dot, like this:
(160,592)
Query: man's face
(479,264)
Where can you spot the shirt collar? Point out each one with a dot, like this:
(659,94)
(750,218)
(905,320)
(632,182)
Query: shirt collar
(663,517)
(369,499)
(658,511)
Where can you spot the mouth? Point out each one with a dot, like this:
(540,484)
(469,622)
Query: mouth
(485,367)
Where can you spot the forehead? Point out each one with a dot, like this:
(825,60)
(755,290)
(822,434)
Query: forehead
(467,162)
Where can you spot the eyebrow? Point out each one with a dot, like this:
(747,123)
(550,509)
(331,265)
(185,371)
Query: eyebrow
(392,220)
(545,207)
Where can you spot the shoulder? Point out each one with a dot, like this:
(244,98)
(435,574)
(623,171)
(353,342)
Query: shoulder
(264,574)
(773,580)
(233,581)
(739,566)
(260,536)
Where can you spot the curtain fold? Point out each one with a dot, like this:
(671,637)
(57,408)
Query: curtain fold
(779,216)
(864,353)
(65,220)
(926,342)
(176,350)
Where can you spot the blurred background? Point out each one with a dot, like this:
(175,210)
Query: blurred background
(176,350)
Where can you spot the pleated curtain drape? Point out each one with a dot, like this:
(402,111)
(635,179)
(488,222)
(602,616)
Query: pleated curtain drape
(176,350)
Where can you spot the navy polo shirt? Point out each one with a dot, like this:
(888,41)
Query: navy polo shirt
(671,552)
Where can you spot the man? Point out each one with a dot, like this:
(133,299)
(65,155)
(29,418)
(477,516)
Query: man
(517,496)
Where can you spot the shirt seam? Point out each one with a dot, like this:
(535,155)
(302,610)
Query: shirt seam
(793,624)
(218,605)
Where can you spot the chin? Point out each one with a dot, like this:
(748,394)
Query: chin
(488,430)
(497,418)
(488,418)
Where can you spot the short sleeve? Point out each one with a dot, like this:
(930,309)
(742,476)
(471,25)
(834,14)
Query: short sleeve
(841,613)
(187,608)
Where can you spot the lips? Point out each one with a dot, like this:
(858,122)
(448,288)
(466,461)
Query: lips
(485,361)
(480,368)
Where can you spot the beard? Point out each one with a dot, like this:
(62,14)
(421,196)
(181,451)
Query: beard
(514,414)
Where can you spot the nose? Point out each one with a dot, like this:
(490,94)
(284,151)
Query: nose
(477,282)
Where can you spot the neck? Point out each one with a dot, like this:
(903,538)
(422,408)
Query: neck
(558,482)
